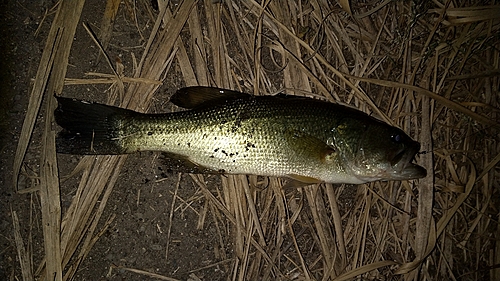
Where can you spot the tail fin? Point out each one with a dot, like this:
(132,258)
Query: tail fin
(89,128)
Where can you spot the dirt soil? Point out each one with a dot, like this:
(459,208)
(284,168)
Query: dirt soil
(142,198)
(20,54)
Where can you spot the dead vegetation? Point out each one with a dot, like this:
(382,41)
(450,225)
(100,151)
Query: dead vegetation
(431,68)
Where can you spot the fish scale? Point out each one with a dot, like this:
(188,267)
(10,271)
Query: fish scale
(221,138)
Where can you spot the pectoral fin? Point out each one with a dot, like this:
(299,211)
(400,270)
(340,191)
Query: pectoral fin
(310,148)
(297,181)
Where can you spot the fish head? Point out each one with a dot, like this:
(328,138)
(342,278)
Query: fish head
(373,150)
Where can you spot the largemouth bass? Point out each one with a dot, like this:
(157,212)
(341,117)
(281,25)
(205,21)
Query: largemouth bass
(224,131)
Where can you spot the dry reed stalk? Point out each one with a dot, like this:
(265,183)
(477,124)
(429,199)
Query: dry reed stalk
(49,79)
(170,217)
(50,199)
(233,186)
(107,23)
(373,60)
(444,101)
(457,16)
(79,221)
(56,52)
(108,79)
(98,181)
(24,254)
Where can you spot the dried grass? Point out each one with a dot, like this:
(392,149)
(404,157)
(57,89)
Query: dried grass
(431,69)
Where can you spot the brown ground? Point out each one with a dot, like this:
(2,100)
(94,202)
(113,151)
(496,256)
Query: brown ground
(145,217)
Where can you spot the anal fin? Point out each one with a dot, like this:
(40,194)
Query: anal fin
(183,164)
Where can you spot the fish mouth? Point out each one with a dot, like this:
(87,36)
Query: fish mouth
(402,166)
(398,167)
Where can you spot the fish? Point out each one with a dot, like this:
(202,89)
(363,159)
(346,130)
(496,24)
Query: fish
(228,132)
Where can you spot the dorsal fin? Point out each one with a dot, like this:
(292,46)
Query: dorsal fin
(194,97)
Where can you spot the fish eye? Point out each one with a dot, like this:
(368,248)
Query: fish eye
(396,138)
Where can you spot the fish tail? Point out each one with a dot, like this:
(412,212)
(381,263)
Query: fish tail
(89,128)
